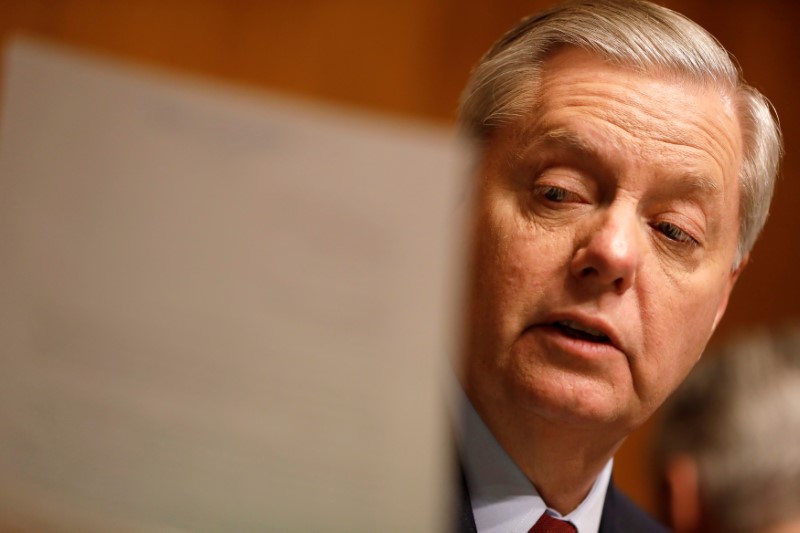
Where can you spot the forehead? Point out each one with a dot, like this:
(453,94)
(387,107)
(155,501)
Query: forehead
(589,105)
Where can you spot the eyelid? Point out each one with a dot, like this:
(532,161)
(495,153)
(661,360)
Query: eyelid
(569,178)
(688,215)
(691,239)
(569,196)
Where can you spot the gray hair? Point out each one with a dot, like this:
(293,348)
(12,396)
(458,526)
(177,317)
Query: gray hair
(738,416)
(638,35)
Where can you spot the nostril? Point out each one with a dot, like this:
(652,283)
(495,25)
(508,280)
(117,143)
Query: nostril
(620,284)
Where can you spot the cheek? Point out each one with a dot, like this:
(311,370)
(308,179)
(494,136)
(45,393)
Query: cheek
(518,267)
(500,280)
(678,340)
(507,281)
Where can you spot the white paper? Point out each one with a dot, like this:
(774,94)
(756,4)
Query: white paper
(218,311)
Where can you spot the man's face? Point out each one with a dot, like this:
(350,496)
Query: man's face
(605,234)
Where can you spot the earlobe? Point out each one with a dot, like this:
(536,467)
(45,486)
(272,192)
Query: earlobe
(723,304)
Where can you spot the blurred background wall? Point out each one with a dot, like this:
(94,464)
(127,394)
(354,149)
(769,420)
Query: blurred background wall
(409,59)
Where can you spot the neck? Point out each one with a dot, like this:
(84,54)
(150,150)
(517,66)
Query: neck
(563,468)
(561,460)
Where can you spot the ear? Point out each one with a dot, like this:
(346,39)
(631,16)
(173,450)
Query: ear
(732,277)
(684,493)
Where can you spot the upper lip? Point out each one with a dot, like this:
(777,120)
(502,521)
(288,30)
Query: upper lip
(584,320)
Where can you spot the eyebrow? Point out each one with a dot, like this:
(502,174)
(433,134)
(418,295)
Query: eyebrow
(561,138)
(567,138)
(535,138)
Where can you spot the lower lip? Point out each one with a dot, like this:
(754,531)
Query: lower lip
(555,340)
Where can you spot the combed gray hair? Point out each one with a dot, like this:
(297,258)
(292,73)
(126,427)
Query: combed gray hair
(638,35)
(738,416)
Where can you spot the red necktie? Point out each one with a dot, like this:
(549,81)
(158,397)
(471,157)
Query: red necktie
(548,524)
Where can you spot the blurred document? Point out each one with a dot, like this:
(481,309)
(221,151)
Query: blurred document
(219,310)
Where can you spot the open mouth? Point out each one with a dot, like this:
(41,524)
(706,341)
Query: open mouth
(578,331)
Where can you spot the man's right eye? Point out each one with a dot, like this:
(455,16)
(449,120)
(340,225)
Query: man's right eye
(554,194)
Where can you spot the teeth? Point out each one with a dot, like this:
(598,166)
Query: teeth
(578,327)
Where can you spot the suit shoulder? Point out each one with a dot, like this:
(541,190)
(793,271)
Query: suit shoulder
(621,515)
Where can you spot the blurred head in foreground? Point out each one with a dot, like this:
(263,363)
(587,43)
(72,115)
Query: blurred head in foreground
(730,443)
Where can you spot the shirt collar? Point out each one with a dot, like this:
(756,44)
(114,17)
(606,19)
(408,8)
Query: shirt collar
(503,499)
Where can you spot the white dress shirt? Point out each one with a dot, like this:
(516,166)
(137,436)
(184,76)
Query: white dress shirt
(503,499)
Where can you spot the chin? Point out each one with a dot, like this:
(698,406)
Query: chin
(585,403)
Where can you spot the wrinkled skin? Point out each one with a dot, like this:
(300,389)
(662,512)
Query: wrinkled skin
(612,208)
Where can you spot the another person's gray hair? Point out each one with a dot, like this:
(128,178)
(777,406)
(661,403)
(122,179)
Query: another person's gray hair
(638,35)
(738,416)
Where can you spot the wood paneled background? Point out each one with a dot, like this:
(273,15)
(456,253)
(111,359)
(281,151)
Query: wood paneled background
(410,58)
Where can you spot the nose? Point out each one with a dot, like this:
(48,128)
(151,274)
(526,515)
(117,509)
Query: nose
(608,254)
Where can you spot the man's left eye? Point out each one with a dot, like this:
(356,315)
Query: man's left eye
(557,194)
(675,233)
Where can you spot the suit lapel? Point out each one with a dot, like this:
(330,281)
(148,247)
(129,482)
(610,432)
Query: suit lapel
(621,515)
(465,520)
(608,518)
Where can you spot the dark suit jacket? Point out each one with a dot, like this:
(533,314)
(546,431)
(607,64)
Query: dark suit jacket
(620,515)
